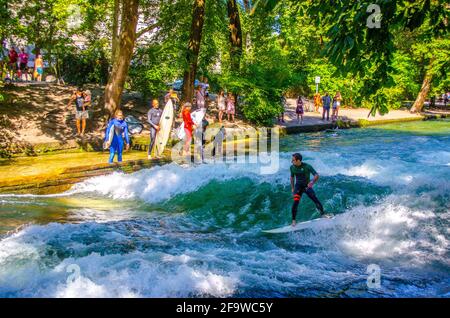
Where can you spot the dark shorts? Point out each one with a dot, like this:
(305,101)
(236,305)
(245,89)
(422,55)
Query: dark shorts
(23,66)
(300,189)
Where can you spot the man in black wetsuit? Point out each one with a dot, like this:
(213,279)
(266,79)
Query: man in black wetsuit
(153,116)
(302,184)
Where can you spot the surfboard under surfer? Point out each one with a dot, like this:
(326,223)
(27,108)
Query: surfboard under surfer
(301,183)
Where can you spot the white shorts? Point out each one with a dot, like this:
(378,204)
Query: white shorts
(222,106)
(81,114)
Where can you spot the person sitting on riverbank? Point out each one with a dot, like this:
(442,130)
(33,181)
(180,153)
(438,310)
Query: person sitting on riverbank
(81,113)
(326,101)
(116,132)
(154,117)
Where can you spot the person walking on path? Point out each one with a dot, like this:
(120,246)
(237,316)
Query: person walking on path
(299,109)
(326,101)
(153,117)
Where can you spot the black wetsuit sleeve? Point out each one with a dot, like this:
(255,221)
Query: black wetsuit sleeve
(313,172)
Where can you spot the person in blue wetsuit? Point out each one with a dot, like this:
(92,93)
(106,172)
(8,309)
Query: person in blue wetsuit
(116,131)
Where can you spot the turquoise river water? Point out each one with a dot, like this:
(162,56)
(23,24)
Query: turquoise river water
(175,231)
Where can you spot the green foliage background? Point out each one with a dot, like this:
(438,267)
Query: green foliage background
(286,44)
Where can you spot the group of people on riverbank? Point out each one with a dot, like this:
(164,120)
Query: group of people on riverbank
(326,102)
(117,131)
(19,66)
(115,140)
(225,104)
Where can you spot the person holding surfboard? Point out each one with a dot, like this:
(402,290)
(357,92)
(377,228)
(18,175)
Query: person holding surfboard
(154,117)
(301,183)
(189,126)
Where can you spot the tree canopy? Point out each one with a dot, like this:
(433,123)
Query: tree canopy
(376,53)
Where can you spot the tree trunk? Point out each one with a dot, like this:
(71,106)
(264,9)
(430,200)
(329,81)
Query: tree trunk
(423,93)
(235,34)
(195,38)
(121,63)
(248,41)
(115,30)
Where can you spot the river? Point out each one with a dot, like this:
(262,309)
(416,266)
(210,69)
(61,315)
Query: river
(174,231)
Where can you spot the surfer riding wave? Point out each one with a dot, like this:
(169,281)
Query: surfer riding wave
(301,183)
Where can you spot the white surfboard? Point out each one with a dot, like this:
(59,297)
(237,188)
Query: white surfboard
(197,117)
(165,124)
(110,134)
(299,226)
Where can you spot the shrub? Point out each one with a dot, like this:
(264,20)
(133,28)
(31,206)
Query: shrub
(260,109)
(84,66)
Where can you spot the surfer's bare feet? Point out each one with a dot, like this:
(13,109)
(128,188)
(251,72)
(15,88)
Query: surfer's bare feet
(327,216)
(294,223)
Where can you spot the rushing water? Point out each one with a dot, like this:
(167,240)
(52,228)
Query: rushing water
(172,231)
